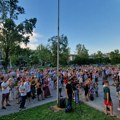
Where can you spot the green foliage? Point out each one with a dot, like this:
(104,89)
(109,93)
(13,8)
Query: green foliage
(10,9)
(63,49)
(115,57)
(82,56)
(12,34)
(24,56)
(82,52)
(44,54)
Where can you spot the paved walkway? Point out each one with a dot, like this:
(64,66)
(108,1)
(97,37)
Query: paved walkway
(97,103)
(15,107)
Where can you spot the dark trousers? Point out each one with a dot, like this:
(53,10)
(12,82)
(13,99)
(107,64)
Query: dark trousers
(5,97)
(60,90)
(23,99)
(69,100)
(33,92)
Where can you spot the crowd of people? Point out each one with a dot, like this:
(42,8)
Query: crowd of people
(24,84)
(38,84)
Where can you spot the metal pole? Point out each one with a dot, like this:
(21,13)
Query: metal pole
(58,97)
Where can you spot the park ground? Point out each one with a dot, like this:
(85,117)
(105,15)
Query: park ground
(82,112)
(42,112)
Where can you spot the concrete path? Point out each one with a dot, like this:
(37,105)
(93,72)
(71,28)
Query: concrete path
(97,103)
(15,107)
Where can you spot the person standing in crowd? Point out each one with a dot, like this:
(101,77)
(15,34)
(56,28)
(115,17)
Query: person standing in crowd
(118,95)
(17,90)
(96,89)
(119,75)
(107,99)
(69,93)
(11,88)
(23,93)
(5,92)
(33,90)
(0,82)
(46,89)
(75,86)
(50,84)
(39,90)
(28,87)
(86,89)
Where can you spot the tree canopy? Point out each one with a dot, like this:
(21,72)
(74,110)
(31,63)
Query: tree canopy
(12,34)
(63,49)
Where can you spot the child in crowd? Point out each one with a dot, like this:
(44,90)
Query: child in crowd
(107,99)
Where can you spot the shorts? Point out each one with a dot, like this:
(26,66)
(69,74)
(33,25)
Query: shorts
(107,104)
(5,96)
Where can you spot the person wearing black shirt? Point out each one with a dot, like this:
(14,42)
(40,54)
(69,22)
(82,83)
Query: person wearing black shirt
(75,86)
(69,93)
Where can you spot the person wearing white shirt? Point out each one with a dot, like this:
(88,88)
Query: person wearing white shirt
(23,93)
(5,93)
(28,88)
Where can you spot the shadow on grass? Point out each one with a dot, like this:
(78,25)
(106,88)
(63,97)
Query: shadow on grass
(80,112)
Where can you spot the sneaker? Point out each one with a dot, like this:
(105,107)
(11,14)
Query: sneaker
(3,107)
(118,109)
(8,105)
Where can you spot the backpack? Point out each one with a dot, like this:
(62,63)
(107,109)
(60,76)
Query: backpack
(68,109)
(91,97)
(62,103)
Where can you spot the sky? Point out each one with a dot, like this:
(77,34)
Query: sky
(94,23)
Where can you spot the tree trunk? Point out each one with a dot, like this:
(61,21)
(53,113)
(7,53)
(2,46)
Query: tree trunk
(6,59)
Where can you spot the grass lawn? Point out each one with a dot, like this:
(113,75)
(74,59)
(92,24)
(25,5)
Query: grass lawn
(44,113)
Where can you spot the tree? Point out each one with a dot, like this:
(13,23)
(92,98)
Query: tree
(12,34)
(82,56)
(115,57)
(44,54)
(82,51)
(21,56)
(63,51)
(33,59)
(99,57)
